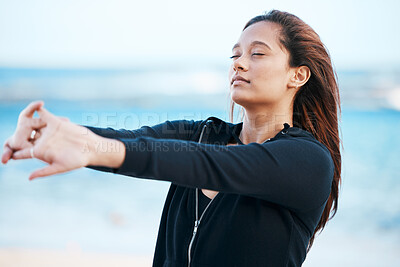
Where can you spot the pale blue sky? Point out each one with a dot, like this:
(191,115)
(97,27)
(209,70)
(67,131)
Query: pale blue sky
(122,33)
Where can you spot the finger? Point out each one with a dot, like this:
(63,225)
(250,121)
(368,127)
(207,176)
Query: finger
(22,154)
(49,170)
(45,115)
(31,108)
(7,154)
(37,136)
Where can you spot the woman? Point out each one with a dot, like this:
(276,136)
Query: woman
(248,194)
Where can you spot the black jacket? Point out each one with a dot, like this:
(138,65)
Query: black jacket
(271,195)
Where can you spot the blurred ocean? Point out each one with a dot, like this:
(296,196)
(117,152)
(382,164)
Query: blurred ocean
(93,211)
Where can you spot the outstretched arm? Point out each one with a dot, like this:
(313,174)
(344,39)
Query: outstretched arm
(293,172)
(20,144)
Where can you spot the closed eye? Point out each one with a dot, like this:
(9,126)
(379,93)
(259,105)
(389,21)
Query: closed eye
(234,56)
(258,54)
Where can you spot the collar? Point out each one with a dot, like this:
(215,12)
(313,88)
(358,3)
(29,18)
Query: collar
(228,131)
(236,132)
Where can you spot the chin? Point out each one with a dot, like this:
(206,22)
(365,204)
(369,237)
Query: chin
(241,98)
(246,100)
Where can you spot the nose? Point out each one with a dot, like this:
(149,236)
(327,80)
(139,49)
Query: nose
(240,64)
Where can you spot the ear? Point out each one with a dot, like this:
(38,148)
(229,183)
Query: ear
(299,77)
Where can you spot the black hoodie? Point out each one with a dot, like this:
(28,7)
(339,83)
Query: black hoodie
(271,195)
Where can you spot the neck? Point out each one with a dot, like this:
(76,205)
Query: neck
(258,127)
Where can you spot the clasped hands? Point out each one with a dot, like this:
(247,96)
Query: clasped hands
(63,145)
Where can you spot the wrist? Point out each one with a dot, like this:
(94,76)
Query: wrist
(106,152)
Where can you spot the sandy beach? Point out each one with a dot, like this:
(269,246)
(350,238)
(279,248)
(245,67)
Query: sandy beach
(17,257)
(331,249)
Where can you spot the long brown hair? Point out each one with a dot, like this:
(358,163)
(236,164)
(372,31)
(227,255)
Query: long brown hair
(316,105)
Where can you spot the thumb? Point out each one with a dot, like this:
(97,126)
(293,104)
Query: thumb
(46,171)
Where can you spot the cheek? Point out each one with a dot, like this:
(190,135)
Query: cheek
(269,83)
(271,76)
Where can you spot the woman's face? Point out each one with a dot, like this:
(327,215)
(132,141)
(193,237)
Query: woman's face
(259,58)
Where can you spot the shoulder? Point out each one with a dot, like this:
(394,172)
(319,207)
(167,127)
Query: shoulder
(301,146)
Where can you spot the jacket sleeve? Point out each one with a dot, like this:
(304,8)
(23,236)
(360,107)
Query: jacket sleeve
(293,172)
(176,129)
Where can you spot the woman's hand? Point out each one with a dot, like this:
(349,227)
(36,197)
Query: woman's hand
(21,139)
(66,146)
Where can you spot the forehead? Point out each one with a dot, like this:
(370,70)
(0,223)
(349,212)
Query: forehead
(263,31)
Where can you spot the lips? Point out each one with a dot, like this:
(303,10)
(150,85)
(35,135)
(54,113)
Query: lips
(239,78)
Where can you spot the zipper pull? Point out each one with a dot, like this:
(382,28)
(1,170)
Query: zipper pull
(196,225)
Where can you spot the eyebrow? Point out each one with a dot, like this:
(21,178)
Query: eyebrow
(253,44)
